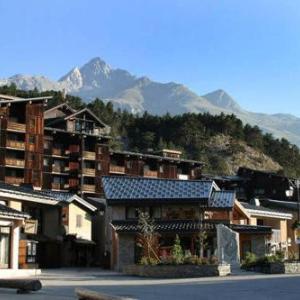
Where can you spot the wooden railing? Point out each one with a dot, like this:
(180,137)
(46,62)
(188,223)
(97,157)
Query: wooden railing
(89,188)
(57,152)
(89,155)
(16,126)
(116,169)
(15,144)
(15,162)
(88,171)
(183,176)
(60,169)
(59,186)
(148,173)
(14,180)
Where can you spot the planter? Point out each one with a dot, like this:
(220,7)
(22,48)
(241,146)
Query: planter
(177,271)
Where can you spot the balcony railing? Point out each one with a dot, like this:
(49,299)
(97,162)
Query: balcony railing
(148,173)
(58,152)
(183,176)
(60,169)
(89,155)
(15,162)
(14,126)
(116,169)
(88,188)
(88,172)
(14,180)
(15,144)
(59,186)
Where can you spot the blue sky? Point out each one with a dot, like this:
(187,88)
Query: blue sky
(250,48)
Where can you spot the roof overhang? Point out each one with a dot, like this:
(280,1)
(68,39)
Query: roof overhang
(269,214)
(9,195)
(81,201)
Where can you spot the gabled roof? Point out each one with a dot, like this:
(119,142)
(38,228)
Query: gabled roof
(265,211)
(222,199)
(9,212)
(131,226)
(64,104)
(140,188)
(4,99)
(89,112)
(24,193)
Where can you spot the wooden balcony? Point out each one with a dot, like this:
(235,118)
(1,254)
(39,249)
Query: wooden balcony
(116,169)
(89,155)
(14,180)
(60,169)
(88,172)
(89,188)
(183,177)
(15,144)
(59,186)
(18,163)
(57,152)
(152,174)
(17,127)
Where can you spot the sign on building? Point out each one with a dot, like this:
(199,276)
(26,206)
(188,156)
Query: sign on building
(31,226)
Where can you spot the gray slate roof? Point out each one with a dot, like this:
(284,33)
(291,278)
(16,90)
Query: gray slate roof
(130,188)
(165,226)
(10,212)
(119,189)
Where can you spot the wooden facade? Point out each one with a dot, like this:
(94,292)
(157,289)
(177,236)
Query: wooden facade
(63,149)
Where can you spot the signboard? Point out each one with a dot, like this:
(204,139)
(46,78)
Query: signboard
(31,226)
(297,235)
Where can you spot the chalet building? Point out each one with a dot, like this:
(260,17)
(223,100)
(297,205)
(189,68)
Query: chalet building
(182,207)
(271,200)
(11,221)
(57,230)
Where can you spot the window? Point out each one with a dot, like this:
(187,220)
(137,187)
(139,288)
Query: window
(99,166)
(260,222)
(155,212)
(46,145)
(31,252)
(78,221)
(32,139)
(161,169)
(128,164)
(99,150)
(32,123)
(46,162)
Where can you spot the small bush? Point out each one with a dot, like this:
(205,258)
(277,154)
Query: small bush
(148,261)
(177,252)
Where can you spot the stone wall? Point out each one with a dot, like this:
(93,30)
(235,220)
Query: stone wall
(177,271)
(126,251)
(228,245)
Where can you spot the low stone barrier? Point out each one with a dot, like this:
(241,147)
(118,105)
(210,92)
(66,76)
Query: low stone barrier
(282,268)
(177,271)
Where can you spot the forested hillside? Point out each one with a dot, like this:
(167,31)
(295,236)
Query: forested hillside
(223,142)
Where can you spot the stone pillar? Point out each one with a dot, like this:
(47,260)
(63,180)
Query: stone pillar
(228,245)
(14,249)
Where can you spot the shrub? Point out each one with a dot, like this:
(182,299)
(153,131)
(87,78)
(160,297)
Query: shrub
(249,261)
(148,261)
(213,260)
(177,252)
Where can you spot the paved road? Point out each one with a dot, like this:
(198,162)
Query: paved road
(60,285)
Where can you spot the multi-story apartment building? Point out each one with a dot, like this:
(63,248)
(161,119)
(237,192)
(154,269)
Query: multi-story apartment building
(64,150)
